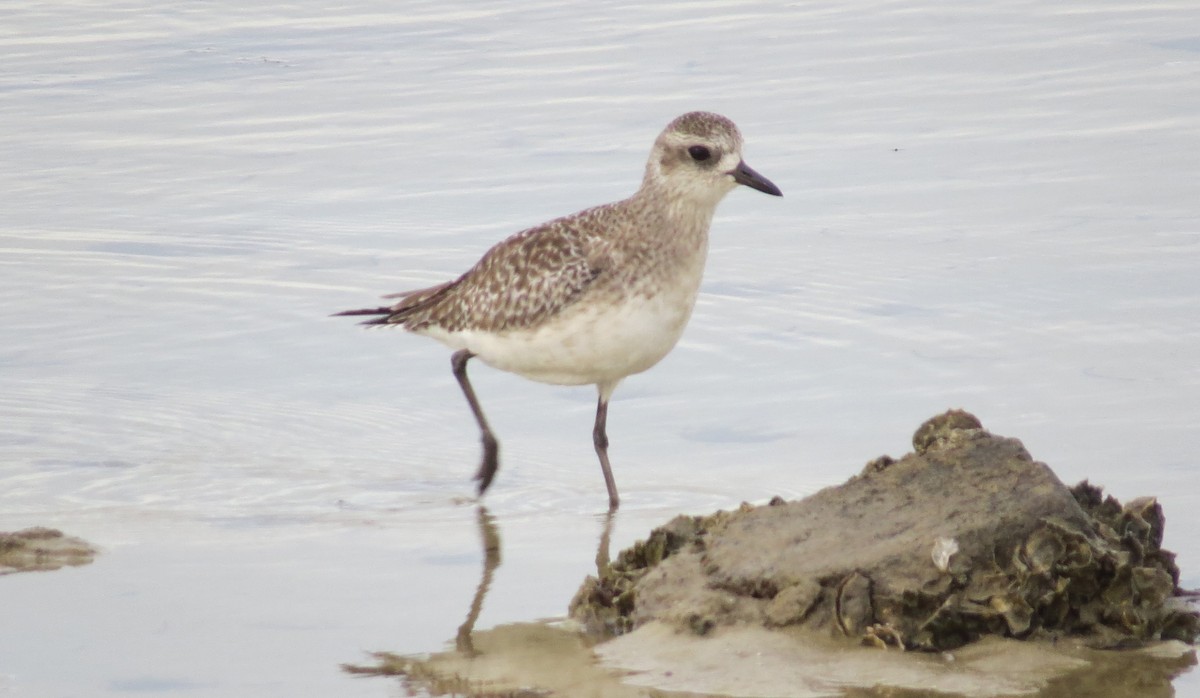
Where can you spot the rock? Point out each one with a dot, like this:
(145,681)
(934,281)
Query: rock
(966,537)
(41,549)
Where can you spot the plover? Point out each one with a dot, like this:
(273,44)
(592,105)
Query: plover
(592,297)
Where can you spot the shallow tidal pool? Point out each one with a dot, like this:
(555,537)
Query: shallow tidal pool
(989,206)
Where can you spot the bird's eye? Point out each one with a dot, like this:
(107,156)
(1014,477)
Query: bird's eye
(699,153)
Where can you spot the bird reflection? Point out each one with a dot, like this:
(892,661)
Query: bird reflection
(490,534)
(602,557)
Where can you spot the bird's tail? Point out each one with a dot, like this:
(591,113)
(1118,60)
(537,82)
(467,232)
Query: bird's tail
(398,314)
(383,314)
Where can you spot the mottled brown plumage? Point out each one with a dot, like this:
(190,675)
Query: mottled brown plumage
(591,297)
(516,285)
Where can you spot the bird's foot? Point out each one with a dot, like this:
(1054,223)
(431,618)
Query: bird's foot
(490,462)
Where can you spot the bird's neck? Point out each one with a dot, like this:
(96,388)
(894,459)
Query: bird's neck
(685,213)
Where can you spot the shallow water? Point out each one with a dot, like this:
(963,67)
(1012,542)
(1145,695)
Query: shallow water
(990,207)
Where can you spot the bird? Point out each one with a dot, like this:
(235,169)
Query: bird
(592,297)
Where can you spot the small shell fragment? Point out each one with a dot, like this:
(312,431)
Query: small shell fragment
(943,549)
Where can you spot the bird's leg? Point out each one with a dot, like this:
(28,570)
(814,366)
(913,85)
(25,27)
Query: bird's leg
(600,439)
(491,448)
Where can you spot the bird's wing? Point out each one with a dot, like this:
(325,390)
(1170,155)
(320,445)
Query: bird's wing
(516,284)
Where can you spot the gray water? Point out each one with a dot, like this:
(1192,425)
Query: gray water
(991,206)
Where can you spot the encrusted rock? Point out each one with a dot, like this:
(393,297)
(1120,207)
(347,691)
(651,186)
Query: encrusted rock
(966,537)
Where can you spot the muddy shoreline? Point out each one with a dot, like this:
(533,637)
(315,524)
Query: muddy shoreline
(967,549)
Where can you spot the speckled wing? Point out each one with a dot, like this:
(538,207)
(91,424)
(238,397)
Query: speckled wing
(517,284)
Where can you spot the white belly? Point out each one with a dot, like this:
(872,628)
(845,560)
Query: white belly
(595,341)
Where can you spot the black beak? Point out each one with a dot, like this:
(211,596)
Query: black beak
(742,174)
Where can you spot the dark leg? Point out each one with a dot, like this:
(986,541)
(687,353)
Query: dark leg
(491,449)
(600,439)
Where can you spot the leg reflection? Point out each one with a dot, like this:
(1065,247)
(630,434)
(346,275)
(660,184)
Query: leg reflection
(602,557)
(490,534)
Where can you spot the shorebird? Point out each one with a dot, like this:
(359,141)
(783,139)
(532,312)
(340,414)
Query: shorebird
(592,297)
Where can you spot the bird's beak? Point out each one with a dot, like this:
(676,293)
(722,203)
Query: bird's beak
(743,174)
